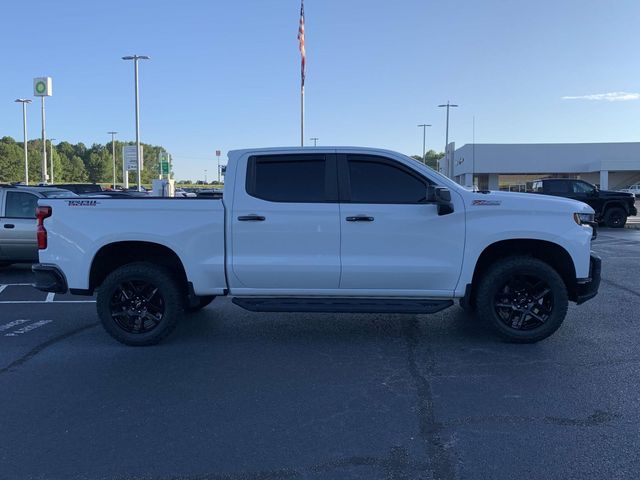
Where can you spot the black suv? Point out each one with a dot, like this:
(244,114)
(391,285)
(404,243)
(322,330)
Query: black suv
(612,208)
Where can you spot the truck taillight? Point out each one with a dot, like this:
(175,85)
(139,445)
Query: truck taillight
(41,214)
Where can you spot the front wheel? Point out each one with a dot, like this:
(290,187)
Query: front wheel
(615,217)
(139,304)
(523,299)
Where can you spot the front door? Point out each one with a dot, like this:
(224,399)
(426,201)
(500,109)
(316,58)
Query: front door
(394,243)
(285,225)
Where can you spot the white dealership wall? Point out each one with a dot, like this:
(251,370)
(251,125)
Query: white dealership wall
(611,165)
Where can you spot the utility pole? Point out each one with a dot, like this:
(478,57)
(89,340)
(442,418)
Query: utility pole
(51,158)
(113,154)
(205,176)
(135,59)
(424,141)
(315,141)
(446,156)
(24,102)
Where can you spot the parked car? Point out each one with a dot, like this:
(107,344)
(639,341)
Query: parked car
(611,208)
(181,192)
(80,187)
(18,205)
(312,231)
(209,193)
(633,189)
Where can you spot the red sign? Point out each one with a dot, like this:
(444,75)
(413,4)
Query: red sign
(217,153)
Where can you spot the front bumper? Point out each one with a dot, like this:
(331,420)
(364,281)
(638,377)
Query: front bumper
(49,278)
(587,288)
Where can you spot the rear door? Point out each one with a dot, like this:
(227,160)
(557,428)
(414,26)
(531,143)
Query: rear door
(394,243)
(18,227)
(285,226)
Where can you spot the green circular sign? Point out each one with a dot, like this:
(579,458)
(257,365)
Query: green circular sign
(41,87)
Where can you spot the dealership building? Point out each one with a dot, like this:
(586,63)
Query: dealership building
(510,166)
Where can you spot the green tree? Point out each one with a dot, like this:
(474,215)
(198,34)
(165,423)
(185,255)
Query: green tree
(11,160)
(430,159)
(97,166)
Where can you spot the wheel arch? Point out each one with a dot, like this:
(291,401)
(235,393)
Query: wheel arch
(551,253)
(117,254)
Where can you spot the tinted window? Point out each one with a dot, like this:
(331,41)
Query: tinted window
(377,180)
(21,205)
(582,187)
(288,178)
(58,193)
(557,187)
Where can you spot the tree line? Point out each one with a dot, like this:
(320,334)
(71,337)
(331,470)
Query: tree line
(73,162)
(431,158)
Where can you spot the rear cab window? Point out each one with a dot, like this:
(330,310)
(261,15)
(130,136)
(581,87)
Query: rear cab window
(20,205)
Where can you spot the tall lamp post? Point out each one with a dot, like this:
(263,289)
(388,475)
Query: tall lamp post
(113,154)
(24,102)
(424,141)
(135,59)
(315,141)
(51,158)
(447,105)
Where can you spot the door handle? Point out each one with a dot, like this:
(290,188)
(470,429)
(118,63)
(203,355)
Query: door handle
(360,218)
(251,218)
(9,225)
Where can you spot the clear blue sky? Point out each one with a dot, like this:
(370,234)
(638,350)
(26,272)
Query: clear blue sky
(225,74)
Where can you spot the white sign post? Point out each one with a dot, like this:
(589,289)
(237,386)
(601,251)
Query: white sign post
(130,162)
(43,87)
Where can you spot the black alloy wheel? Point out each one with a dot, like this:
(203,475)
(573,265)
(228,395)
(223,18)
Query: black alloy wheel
(137,306)
(524,302)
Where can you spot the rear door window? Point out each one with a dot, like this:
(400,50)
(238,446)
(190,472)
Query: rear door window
(559,186)
(20,205)
(291,178)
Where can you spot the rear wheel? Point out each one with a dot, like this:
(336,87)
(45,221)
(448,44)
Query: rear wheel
(523,299)
(615,217)
(139,304)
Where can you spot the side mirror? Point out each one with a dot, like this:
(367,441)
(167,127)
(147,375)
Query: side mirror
(441,196)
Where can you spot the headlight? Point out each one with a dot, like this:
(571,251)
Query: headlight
(584,218)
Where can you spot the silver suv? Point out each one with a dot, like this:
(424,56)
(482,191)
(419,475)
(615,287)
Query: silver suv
(18,221)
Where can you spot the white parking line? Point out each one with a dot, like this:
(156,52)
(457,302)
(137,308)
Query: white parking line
(29,302)
(10,325)
(28,328)
(50,297)
(2,287)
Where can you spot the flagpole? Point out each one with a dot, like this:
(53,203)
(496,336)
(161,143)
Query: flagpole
(302,116)
(302,70)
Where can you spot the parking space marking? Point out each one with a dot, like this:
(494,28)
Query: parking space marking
(50,297)
(15,323)
(2,287)
(29,302)
(28,328)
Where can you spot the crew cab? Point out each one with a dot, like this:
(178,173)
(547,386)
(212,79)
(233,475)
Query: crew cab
(611,208)
(323,230)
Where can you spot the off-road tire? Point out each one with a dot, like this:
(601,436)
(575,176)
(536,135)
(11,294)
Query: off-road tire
(141,273)
(504,272)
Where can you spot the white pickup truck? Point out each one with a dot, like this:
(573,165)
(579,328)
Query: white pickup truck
(323,230)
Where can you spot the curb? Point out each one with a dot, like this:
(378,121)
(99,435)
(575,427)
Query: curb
(633,226)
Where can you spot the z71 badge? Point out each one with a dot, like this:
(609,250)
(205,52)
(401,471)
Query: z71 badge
(486,203)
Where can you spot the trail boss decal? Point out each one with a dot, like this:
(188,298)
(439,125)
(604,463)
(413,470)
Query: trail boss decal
(82,203)
(486,203)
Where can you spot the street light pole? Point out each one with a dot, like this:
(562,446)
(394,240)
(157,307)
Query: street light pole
(24,102)
(113,154)
(424,141)
(315,141)
(44,146)
(448,105)
(135,59)
(205,176)
(51,158)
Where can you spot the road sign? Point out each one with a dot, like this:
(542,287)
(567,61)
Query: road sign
(130,159)
(42,87)
(163,160)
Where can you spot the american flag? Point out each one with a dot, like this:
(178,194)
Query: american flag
(301,41)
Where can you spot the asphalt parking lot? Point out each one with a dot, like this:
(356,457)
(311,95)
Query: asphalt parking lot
(238,395)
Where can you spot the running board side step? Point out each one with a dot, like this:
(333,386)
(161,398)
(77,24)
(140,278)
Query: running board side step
(341,305)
